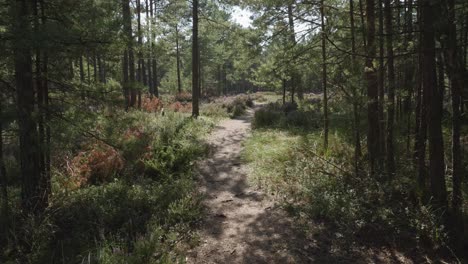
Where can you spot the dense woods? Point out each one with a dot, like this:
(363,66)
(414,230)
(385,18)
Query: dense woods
(359,122)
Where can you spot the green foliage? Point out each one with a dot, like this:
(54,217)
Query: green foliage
(232,107)
(138,216)
(288,116)
(322,185)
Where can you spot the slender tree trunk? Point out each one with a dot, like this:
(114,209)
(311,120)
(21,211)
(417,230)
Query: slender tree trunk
(141,62)
(434,115)
(195,61)
(381,85)
(284,91)
(88,63)
(357,136)
(39,78)
(149,22)
(47,188)
(102,79)
(292,35)
(82,79)
(32,196)
(179,81)
(126,79)
(372,91)
(363,24)
(154,65)
(5,219)
(454,69)
(391,91)
(95,67)
(409,73)
(324,77)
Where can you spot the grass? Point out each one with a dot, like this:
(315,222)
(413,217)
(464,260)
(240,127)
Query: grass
(288,158)
(128,197)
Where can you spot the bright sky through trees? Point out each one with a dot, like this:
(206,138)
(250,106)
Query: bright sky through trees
(242,16)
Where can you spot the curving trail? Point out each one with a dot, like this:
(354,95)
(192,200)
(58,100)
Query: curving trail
(243,224)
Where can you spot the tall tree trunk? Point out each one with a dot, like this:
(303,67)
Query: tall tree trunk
(149,21)
(292,35)
(95,67)
(82,78)
(284,91)
(372,91)
(324,77)
(126,79)
(455,73)
(363,24)
(381,85)
(391,91)
(102,78)
(195,61)
(408,73)
(32,196)
(40,82)
(5,219)
(357,136)
(434,115)
(154,65)
(141,62)
(179,81)
(130,49)
(127,28)
(47,115)
(88,63)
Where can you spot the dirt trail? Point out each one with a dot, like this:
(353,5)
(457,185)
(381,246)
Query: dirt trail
(243,224)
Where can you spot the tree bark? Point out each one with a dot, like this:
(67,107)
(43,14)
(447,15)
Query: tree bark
(357,136)
(154,64)
(179,81)
(372,91)
(391,91)
(324,77)
(195,61)
(381,85)
(454,69)
(295,77)
(149,19)
(434,114)
(33,200)
(5,219)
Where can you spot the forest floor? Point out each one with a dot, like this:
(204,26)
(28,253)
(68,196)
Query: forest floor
(243,224)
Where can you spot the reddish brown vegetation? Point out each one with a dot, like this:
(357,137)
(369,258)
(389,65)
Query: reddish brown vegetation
(97,163)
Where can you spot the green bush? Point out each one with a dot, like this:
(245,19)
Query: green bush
(139,215)
(265,117)
(320,184)
(275,115)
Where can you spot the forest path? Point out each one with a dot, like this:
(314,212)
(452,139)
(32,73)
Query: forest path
(243,224)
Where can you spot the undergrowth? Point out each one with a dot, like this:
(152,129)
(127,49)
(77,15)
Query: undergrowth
(286,157)
(125,195)
(227,107)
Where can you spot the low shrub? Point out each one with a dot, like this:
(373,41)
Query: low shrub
(321,185)
(275,115)
(151,104)
(130,203)
(265,117)
(183,97)
(180,107)
(97,163)
(214,110)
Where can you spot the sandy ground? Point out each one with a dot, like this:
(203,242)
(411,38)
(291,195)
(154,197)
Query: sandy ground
(243,224)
